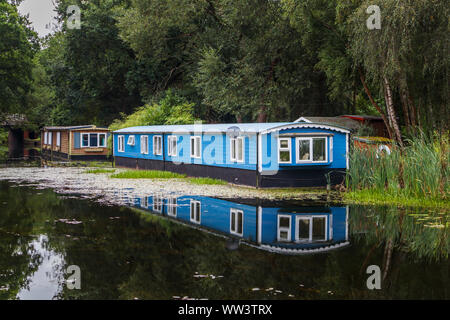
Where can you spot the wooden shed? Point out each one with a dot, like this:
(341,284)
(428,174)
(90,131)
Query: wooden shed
(74,143)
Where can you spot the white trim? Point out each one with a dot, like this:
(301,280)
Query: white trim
(259,224)
(300,125)
(235,149)
(347,159)
(197,147)
(82,140)
(157,204)
(346,222)
(288,229)
(144,144)
(311,221)
(311,149)
(289,148)
(260,152)
(236,220)
(144,202)
(172,206)
(331,146)
(193,218)
(58,139)
(172,149)
(157,151)
(120,143)
(88,134)
(131,140)
(302,119)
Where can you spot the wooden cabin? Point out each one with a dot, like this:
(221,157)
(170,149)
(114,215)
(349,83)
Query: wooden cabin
(300,230)
(74,143)
(289,154)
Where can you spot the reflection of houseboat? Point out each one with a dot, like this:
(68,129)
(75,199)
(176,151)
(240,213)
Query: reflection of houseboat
(258,154)
(285,230)
(74,143)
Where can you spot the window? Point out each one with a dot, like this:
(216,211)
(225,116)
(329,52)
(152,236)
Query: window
(237,149)
(172,207)
(93,140)
(157,204)
(284,150)
(144,202)
(58,139)
(172,148)
(121,143)
(237,222)
(131,140)
(284,228)
(45,137)
(102,140)
(50,138)
(311,228)
(157,145)
(144,144)
(195,211)
(312,150)
(196,146)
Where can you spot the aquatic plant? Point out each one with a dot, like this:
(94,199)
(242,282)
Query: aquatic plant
(420,170)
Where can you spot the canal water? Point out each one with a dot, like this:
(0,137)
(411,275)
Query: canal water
(186,247)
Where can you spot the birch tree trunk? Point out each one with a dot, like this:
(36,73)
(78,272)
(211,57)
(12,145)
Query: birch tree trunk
(391,111)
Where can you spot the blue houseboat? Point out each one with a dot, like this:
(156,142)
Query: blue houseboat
(298,230)
(290,154)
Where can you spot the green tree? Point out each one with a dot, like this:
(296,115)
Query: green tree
(18,44)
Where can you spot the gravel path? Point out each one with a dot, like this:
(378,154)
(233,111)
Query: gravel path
(76,181)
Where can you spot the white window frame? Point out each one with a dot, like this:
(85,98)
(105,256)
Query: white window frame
(280,229)
(311,150)
(172,149)
(280,149)
(121,143)
(311,221)
(236,213)
(157,151)
(234,149)
(144,144)
(197,147)
(172,206)
(157,204)
(193,218)
(131,140)
(88,134)
(144,202)
(58,139)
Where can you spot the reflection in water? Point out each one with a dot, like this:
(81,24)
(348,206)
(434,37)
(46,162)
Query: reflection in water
(44,283)
(299,230)
(166,246)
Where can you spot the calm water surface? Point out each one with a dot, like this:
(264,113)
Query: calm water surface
(170,247)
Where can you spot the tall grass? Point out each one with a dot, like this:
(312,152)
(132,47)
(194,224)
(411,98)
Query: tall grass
(419,170)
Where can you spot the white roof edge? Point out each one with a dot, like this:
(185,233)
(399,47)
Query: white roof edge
(302,119)
(306,125)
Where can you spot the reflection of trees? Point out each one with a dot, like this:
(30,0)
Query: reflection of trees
(22,211)
(404,236)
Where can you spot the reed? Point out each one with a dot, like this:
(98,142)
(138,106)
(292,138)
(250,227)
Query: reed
(420,170)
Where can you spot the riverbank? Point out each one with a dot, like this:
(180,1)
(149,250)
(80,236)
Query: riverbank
(79,181)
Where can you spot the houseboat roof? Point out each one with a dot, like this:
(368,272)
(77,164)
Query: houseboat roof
(348,123)
(233,127)
(62,128)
